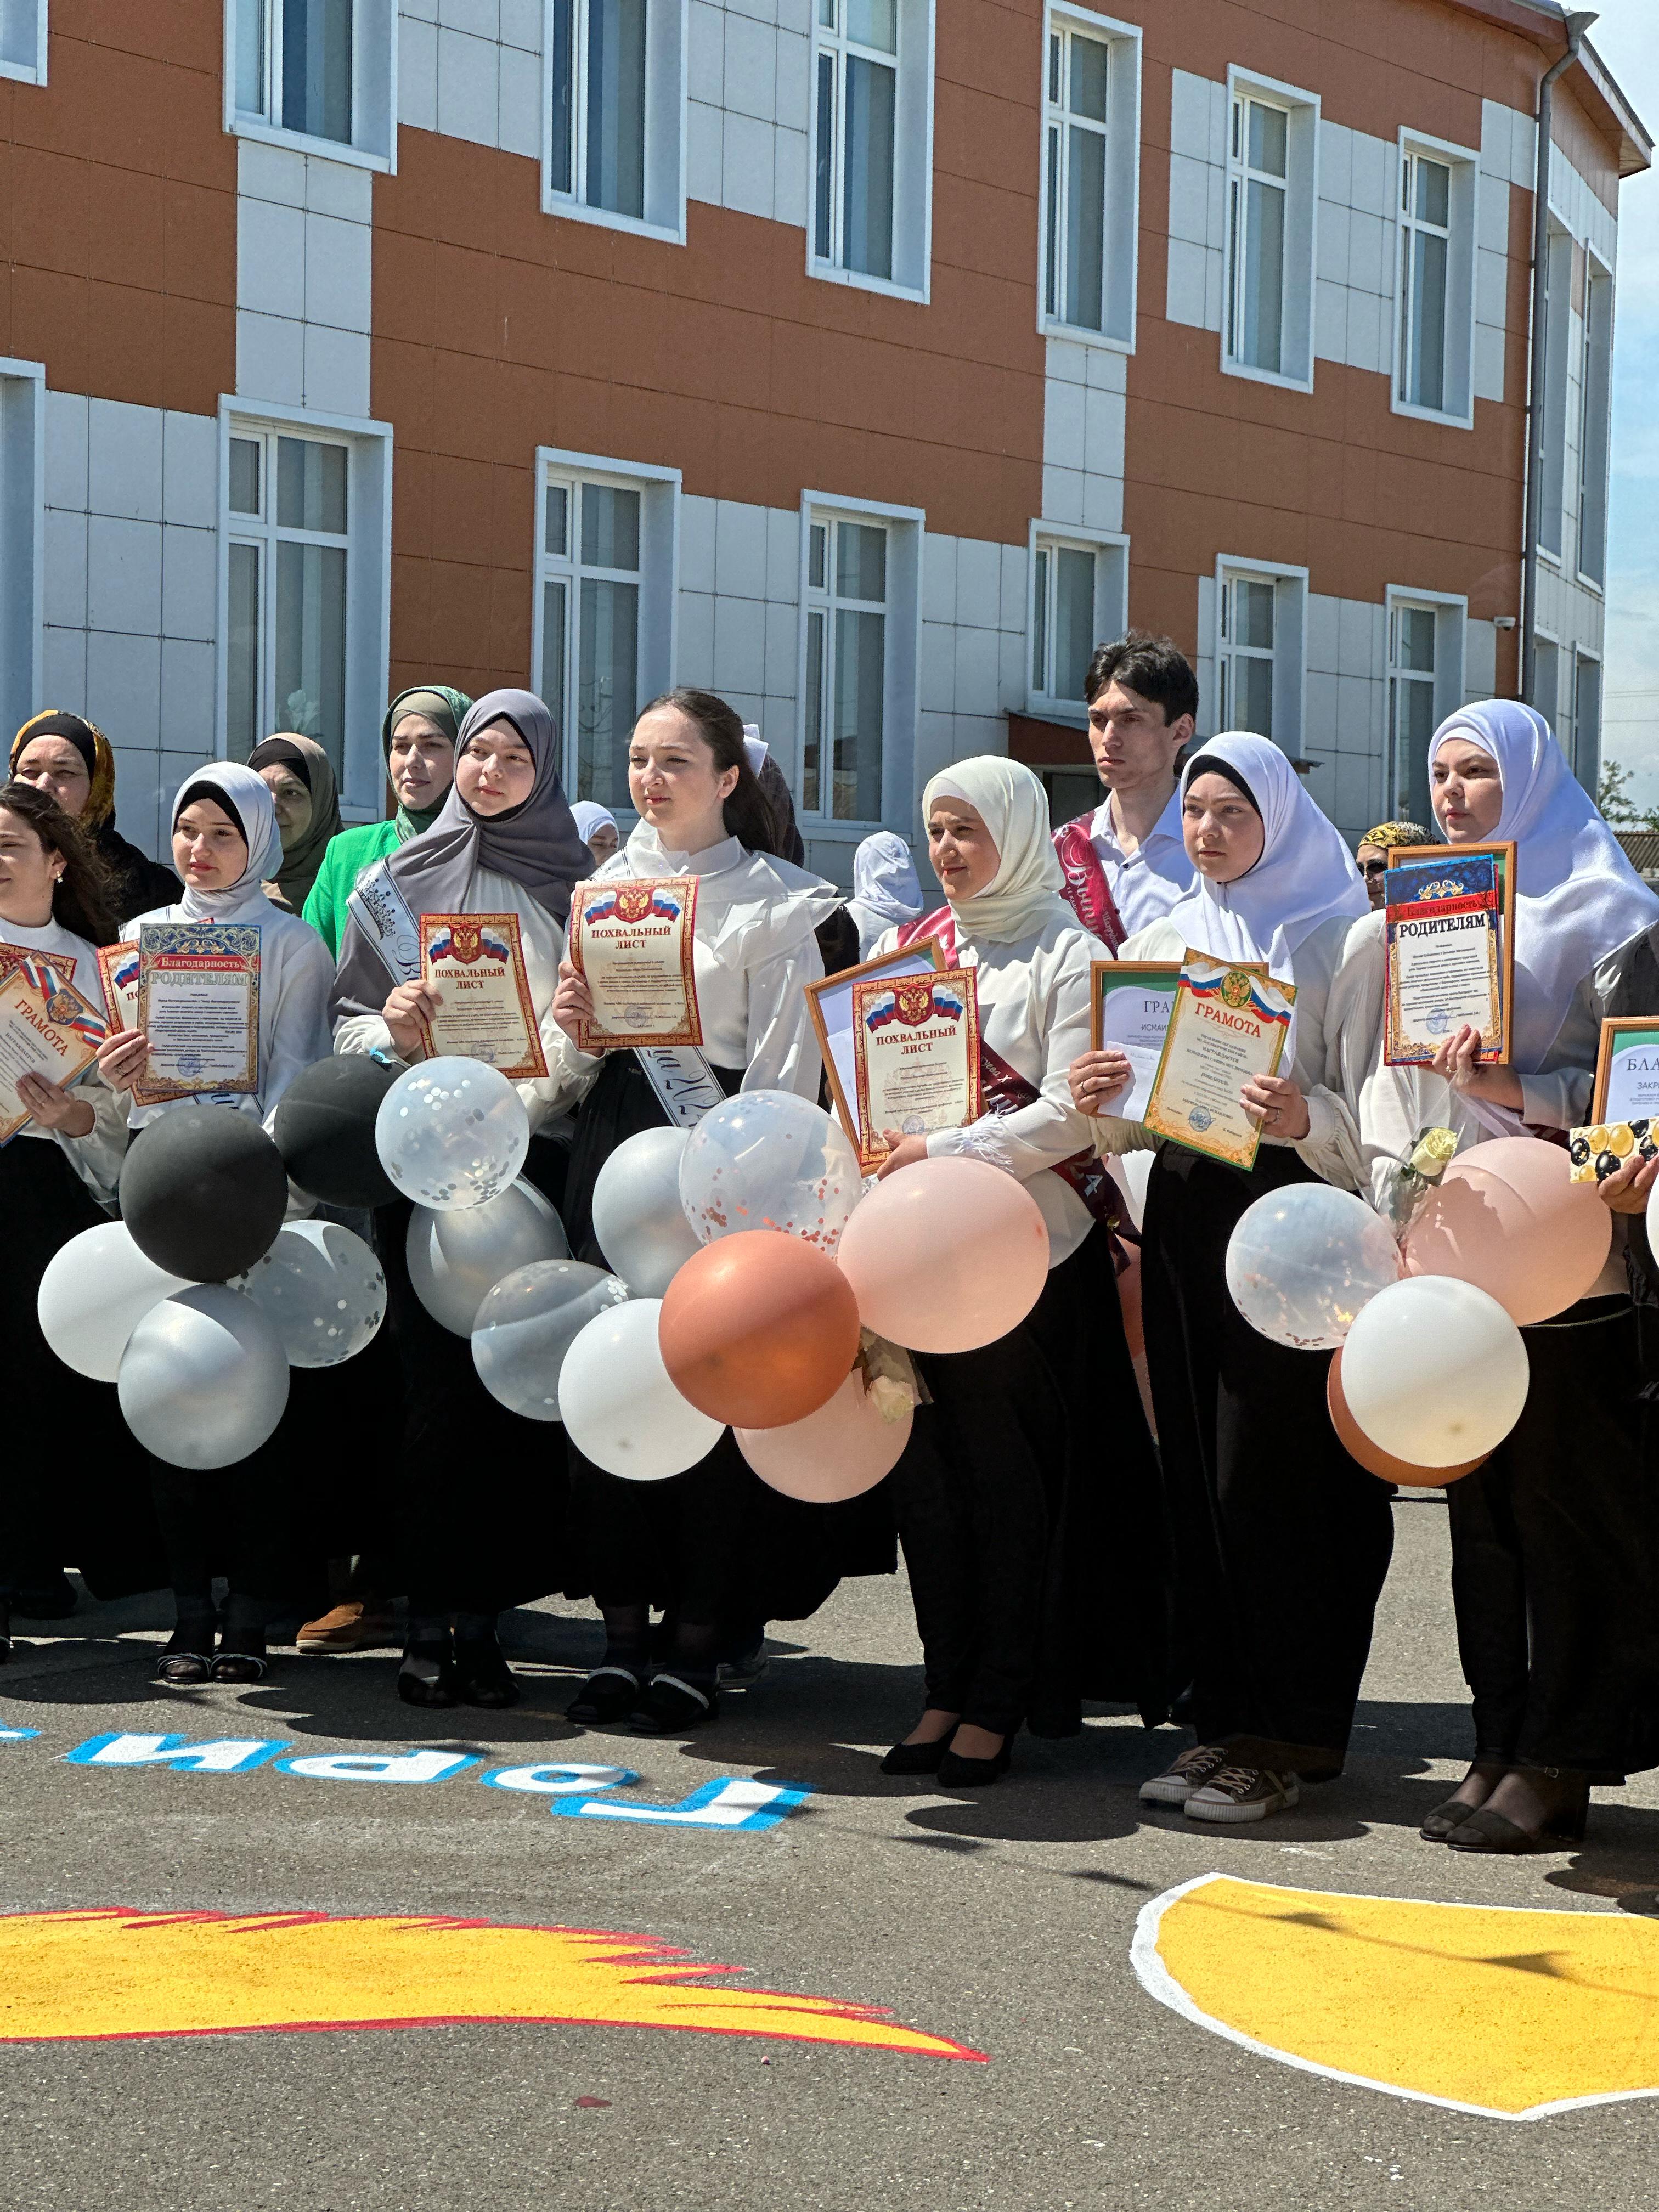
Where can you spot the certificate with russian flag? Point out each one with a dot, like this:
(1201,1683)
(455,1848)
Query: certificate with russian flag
(633,939)
(1228,1024)
(915,1057)
(46,1028)
(472,964)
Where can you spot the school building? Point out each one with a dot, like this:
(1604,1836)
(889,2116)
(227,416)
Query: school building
(864,360)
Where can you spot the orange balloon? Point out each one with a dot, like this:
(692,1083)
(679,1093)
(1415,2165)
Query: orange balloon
(1375,1460)
(758,1329)
(1507,1218)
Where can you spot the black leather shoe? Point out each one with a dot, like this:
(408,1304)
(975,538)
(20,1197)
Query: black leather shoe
(482,1676)
(427,1676)
(916,1757)
(955,1772)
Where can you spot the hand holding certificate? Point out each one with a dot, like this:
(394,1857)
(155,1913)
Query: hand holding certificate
(1228,1029)
(473,977)
(633,942)
(47,1029)
(198,1009)
(916,1064)
(1132,1003)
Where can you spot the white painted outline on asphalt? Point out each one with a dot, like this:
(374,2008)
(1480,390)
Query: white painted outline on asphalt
(1158,1982)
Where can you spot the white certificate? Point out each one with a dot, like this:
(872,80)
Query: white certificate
(1134,1000)
(830,1005)
(634,942)
(199,1004)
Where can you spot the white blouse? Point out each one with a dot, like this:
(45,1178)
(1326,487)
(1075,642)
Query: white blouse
(97,1156)
(296,974)
(753,955)
(1033,996)
(542,941)
(1339,1027)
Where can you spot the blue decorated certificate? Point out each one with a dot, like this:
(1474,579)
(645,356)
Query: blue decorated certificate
(198,1005)
(1446,940)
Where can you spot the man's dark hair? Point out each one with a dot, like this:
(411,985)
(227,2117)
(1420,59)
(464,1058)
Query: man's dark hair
(1156,667)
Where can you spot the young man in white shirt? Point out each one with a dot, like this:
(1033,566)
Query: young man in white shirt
(1125,864)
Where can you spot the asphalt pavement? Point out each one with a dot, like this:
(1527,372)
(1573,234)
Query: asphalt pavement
(991,1931)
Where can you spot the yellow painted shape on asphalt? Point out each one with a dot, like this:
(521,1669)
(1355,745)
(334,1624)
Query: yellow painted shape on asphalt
(1513,2014)
(115,1972)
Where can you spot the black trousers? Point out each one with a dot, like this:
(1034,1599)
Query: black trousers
(1027,1505)
(1555,1560)
(1281,1541)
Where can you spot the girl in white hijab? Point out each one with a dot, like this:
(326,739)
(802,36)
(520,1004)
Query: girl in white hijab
(886,889)
(239,1521)
(1553,1539)
(1031,1527)
(1282,1542)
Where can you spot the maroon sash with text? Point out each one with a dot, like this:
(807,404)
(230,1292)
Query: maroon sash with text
(1086,890)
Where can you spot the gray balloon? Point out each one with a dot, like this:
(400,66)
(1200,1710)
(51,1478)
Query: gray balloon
(455,1257)
(528,1323)
(203,1379)
(322,1285)
(638,1219)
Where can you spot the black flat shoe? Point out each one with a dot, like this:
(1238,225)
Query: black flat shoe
(1438,1825)
(955,1772)
(610,1694)
(187,1658)
(916,1757)
(427,1676)
(482,1676)
(243,1667)
(672,1705)
(1494,1831)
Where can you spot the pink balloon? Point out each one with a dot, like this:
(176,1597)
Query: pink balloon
(840,1451)
(945,1255)
(1507,1217)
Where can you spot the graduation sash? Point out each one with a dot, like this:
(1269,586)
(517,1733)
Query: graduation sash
(1086,890)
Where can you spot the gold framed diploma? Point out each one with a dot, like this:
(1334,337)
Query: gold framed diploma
(199,1004)
(119,965)
(1448,934)
(915,1056)
(474,965)
(829,1003)
(1227,1025)
(46,1028)
(1130,1003)
(634,940)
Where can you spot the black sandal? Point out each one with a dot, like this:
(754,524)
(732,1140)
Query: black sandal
(242,1667)
(672,1705)
(181,1665)
(482,1676)
(610,1694)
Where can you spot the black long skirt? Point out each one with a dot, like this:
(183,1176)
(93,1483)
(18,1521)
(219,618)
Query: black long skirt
(714,1544)
(1555,1560)
(1281,1540)
(1029,1508)
(478,1517)
(75,1489)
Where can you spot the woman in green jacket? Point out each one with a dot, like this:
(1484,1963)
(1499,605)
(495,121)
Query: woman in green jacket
(418,740)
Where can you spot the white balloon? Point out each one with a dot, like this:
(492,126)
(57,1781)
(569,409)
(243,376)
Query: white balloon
(324,1288)
(451,1133)
(638,1220)
(204,1377)
(1303,1263)
(455,1258)
(767,1159)
(93,1293)
(1435,1371)
(527,1325)
(617,1401)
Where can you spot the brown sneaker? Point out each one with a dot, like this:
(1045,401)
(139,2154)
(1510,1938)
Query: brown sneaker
(356,1624)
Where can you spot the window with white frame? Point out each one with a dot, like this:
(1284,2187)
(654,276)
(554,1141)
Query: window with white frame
(846,688)
(289,526)
(1558,317)
(1271,181)
(1435,304)
(1597,401)
(1547,679)
(604,617)
(1079,595)
(1090,155)
(1425,683)
(872,63)
(23,40)
(1585,737)
(1259,655)
(615,86)
(318,69)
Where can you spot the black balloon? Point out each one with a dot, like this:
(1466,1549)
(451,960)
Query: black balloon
(324,1131)
(203,1191)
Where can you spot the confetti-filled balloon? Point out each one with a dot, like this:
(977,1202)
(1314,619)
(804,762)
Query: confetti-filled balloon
(767,1159)
(1302,1263)
(323,1287)
(451,1133)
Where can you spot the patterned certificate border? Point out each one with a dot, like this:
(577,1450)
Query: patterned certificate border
(119,966)
(903,961)
(1502,949)
(201,941)
(592,1039)
(43,979)
(872,1152)
(1234,984)
(432,925)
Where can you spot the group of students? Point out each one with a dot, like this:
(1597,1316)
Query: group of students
(1226,1567)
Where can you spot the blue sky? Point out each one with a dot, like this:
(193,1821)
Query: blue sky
(1627,39)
